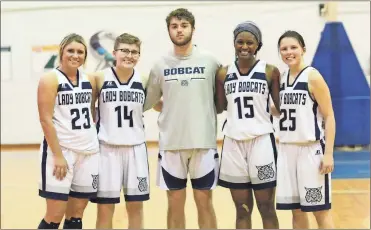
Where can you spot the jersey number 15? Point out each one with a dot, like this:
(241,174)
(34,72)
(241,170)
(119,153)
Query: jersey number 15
(249,107)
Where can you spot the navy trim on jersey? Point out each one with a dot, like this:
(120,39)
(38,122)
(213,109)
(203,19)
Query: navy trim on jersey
(118,80)
(315,208)
(64,87)
(86,85)
(301,86)
(77,76)
(271,184)
(53,195)
(248,72)
(310,95)
(82,194)
(288,206)
(230,77)
(43,164)
(327,183)
(172,182)
(104,200)
(259,76)
(221,156)
(297,77)
(136,197)
(226,184)
(273,141)
(316,128)
(98,112)
(137,85)
(171,80)
(109,85)
(282,87)
(149,172)
(98,121)
(268,109)
(205,182)
(225,122)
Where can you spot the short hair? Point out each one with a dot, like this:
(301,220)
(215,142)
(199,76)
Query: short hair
(126,38)
(181,13)
(69,39)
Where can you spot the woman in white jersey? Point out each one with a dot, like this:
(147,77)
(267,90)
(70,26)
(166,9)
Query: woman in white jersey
(69,154)
(305,163)
(248,158)
(120,125)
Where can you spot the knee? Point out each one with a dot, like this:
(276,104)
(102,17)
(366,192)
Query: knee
(203,199)
(243,210)
(266,208)
(106,211)
(321,215)
(298,214)
(134,207)
(55,209)
(176,199)
(76,207)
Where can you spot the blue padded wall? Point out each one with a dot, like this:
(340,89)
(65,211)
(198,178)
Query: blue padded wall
(337,62)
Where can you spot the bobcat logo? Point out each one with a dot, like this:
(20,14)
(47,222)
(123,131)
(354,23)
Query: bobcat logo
(95,181)
(313,195)
(184,83)
(265,172)
(142,186)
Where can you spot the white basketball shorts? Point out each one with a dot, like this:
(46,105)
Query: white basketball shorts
(299,182)
(123,167)
(174,166)
(246,164)
(81,180)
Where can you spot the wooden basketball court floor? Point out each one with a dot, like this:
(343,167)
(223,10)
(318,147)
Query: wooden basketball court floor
(22,208)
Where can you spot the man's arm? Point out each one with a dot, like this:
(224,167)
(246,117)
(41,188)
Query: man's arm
(153,90)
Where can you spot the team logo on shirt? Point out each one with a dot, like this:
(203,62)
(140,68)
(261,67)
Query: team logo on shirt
(143,185)
(95,181)
(313,195)
(265,172)
(184,83)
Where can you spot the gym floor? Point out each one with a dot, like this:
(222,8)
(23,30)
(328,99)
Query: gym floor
(22,208)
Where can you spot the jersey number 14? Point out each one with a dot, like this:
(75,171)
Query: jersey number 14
(127,116)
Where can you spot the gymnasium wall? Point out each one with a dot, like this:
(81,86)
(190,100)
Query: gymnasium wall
(26,25)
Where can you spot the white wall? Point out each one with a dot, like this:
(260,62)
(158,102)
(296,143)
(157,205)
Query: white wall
(25,24)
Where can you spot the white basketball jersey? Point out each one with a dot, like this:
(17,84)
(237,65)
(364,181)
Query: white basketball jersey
(300,120)
(120,110)
(247,95)
(72,116)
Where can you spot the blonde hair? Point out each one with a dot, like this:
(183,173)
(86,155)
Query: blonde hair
(72,38)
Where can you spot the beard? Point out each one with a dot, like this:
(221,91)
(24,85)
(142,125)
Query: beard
(186,40)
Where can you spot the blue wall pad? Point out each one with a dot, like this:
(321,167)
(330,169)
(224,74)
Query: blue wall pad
(351,165)
(337,62)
